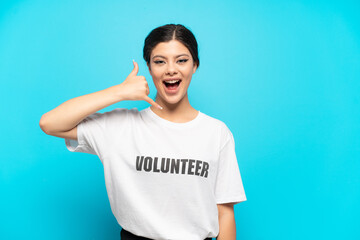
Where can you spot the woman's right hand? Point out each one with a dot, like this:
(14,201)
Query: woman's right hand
(136,87)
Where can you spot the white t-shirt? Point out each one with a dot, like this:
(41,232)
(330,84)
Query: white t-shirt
(163,178)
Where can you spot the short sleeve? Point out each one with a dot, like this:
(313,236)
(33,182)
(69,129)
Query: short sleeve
(90,133)
(228,185)
(93,131)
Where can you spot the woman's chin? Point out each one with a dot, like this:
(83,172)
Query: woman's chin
(172,99)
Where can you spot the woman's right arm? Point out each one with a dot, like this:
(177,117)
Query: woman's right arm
(67,116)
(62,120)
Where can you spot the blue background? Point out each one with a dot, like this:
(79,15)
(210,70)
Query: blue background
(283,75)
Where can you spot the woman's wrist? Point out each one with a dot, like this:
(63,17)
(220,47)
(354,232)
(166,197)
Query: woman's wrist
(116,93)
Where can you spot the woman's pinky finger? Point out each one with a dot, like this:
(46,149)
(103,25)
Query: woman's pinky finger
(152,102)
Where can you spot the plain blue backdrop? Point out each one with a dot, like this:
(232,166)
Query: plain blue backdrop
(283,75)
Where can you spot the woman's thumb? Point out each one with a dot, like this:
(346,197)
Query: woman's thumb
(135,71)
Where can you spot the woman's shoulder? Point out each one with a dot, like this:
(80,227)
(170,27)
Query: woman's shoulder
(220,126)
(213,121)
(117,114)
(122,111)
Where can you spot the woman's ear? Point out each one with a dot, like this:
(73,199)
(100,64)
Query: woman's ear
(149,67)
(194,68)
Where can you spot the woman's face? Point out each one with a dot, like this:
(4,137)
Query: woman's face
(169,62)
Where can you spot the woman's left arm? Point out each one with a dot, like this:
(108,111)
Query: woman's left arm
(227,226)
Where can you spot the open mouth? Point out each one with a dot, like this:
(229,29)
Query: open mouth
(172,85)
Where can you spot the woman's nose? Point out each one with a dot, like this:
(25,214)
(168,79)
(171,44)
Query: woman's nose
(171,69)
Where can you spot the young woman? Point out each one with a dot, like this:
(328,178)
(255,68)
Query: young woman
(170,170)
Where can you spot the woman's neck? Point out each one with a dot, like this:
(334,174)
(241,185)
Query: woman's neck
(180,112)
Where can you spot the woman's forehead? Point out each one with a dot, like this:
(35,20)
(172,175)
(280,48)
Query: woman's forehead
(172,48)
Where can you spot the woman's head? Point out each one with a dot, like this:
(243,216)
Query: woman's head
(171,54)
(167,33)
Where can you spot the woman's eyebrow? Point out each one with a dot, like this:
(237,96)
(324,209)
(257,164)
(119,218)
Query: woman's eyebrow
(184,54)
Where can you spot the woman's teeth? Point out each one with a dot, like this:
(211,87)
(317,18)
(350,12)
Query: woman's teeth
(172,84)
(172,81)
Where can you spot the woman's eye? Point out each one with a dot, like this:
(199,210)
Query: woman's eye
(181,61)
